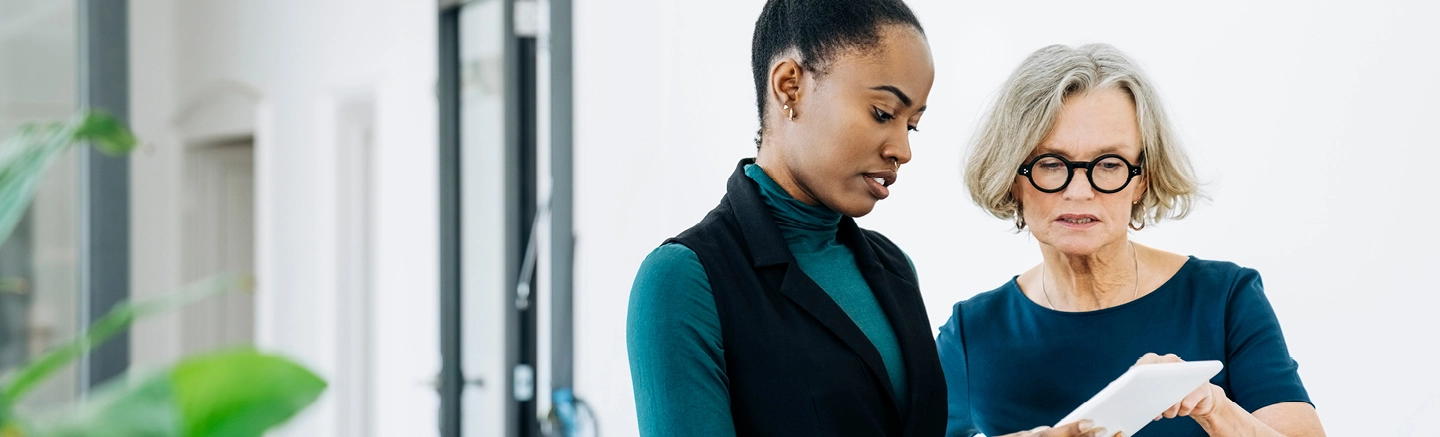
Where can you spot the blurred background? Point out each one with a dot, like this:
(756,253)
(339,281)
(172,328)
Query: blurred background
(445,202)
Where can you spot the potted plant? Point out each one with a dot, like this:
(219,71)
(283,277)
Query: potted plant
(232,393)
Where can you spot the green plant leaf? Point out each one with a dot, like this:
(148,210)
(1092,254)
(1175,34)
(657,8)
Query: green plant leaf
(17,384)
(238,393)
(25,155)
(235,393)
(5,415)
(144,409)
(106,132)
(241,393)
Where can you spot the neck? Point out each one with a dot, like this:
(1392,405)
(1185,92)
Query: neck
(1106,278)
(769,159)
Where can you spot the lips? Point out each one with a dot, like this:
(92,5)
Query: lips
(879,183)
(1077,220)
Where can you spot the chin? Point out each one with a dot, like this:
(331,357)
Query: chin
(1077,246)
(855,209)
(1076,250)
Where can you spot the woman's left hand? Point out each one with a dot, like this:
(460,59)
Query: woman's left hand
(1198,404)
(1218,415)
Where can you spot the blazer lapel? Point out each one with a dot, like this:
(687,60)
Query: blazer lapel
(771,258)
(804,292)
(900,298)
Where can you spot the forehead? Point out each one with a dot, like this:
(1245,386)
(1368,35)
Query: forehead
(1092,124)
(901,59)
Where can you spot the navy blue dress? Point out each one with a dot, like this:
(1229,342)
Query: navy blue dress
(1012,365)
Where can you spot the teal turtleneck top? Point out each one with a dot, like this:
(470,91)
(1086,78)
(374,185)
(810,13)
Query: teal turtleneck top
(677,362)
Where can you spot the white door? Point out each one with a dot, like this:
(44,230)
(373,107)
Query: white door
(219,238)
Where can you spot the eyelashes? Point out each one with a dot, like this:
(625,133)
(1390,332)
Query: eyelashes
(884,117)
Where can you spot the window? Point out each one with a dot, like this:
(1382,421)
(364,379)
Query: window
(39,262)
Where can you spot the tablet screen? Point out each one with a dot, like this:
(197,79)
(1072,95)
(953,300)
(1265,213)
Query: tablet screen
(1134,399)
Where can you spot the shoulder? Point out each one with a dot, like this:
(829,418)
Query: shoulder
(892,252)
(882,244)
(1217,287)
(718,227)
(670,256)
(977,311)
(1221,275)
(670,279)
(667,264)
(989,299)
(993,303)
(671,294)
(878,238)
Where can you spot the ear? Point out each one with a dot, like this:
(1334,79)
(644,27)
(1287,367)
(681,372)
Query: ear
(1142,184)
(785,83)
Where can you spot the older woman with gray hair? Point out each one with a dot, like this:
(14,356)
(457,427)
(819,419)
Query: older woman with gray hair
(1078,151)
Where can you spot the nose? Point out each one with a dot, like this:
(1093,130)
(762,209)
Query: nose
(1079,188)
(897,149)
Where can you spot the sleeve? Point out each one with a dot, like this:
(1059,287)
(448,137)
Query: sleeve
(673,338)
(950,344)
(1262,373)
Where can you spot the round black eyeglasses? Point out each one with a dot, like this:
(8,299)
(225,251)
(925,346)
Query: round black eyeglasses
(1051,173)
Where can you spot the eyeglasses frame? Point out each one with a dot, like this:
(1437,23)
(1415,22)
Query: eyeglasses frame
(1089,166)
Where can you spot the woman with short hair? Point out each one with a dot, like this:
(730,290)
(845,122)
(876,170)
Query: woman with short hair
(1077,150)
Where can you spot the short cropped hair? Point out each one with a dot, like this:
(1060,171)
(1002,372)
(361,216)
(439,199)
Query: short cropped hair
(1025,112)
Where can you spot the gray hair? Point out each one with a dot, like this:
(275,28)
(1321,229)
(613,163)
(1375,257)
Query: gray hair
(1025,112)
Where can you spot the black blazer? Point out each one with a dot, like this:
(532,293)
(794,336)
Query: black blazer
(796,364)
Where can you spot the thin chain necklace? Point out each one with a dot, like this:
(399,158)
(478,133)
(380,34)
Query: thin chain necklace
(1133,296)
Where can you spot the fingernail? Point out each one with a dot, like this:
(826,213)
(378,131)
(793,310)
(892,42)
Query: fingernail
(1086,424)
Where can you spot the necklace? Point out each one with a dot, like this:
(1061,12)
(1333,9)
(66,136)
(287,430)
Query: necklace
(1133,296)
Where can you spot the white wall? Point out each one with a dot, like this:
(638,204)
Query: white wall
(1311,123)
(298,64)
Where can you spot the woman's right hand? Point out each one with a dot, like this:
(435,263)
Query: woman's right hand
(1083,428)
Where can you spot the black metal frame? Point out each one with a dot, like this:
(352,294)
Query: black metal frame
(523,144)
(1070,167)
(451,381)
(104,185)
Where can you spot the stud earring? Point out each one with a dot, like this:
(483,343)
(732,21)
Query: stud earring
(792,112)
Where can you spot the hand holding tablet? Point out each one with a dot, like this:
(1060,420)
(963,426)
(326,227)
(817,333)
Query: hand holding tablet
(1142,394)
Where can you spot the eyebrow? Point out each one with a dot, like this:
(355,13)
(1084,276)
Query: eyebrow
(901,94)
(1111,149)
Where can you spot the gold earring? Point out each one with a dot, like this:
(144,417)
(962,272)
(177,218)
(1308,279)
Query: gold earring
(1019,218)
(1142,224)
(792,112)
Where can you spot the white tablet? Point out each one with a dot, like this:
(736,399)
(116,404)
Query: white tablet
(1134,399)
